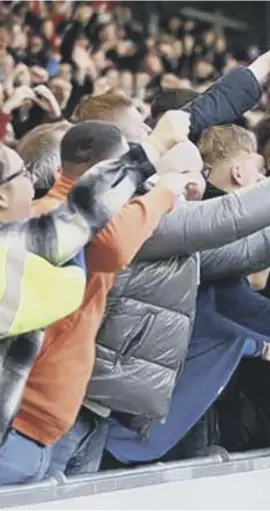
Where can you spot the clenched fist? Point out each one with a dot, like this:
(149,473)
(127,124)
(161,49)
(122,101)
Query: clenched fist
(183,157)
(172,128)
(181,184)
(183,166)
(47,101)
(20,95)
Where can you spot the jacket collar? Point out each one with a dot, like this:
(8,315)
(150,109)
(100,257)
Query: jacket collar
(211,192)
(61,188)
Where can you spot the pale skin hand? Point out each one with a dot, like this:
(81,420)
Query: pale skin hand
(47,101)
(184,156)
(172,128)
(177,183)
(261,67)
(259,280)
(19,97)
(181,167)
(21,74)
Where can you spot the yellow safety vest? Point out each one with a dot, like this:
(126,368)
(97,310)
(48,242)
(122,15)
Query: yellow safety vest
(34,293)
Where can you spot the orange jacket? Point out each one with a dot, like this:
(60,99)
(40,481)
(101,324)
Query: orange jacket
(4,119)
(58,380)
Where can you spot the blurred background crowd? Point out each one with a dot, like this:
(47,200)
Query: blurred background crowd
(82,48)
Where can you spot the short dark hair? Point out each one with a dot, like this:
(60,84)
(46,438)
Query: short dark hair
(262,132)
(90,142)
(171,99)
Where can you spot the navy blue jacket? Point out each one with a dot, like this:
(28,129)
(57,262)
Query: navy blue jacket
(228,99)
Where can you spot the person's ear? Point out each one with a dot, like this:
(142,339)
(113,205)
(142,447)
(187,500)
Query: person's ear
(237,175)
(4,200)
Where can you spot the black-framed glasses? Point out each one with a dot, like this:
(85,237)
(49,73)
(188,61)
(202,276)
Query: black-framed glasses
(22,172)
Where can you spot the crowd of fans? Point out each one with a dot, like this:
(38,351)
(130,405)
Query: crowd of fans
(82,48)
(135,241)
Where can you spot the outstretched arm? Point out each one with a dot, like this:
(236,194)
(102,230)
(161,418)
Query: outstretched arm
(230,97)
(97,196)
(249,255)
(197,226)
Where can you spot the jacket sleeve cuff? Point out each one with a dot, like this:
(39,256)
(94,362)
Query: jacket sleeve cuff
(229,98)
(248,83)
(137,154)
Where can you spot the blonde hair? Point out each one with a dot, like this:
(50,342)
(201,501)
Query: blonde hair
(221,143)
(40,150)
(105,107)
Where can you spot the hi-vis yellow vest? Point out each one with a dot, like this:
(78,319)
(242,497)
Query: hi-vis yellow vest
(34,293)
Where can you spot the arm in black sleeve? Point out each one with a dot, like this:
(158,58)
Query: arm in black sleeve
(229,98)
(71,33)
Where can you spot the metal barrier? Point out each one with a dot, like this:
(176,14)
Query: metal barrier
(60,490)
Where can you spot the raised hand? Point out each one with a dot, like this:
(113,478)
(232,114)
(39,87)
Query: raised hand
(47,101)
(19,97)
(172,128)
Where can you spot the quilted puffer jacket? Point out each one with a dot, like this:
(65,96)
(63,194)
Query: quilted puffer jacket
(142,344)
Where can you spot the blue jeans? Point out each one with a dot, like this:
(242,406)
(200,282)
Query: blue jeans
(22,460)
(81,449)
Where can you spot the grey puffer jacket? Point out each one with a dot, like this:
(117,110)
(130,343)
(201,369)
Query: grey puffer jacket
(143,341)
